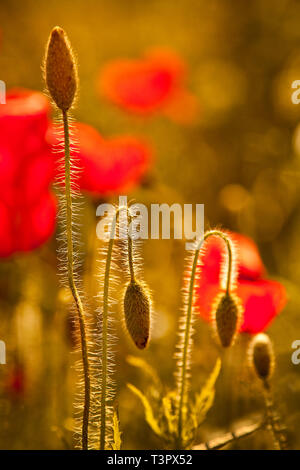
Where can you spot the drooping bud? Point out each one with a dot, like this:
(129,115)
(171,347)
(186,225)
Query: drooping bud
(226,316)
(261,356)
(60,69)
(137,313)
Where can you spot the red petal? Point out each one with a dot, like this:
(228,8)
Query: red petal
(15,382)
(8,169)
(6,232)
(142,86)
(205,296)
(263,300)
(36,225)
(24,121)
(249,263)
(109,166)
(25,158)
(37,177)
(25,229)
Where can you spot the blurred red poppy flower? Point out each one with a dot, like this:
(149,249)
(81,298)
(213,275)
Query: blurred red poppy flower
(27,169)
(27,208)
(108,166)
(155,83)
(15,382)
(262,299)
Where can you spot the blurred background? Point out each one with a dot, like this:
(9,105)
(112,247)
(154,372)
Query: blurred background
(239,155)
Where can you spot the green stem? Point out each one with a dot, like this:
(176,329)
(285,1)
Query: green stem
(105,334)
(78,302)
(188,325)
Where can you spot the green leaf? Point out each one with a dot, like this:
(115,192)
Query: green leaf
(142,364)
(205,398)
(117,434)
(169,408)
(149,416)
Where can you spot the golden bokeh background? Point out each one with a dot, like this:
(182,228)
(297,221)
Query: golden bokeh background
(241,158)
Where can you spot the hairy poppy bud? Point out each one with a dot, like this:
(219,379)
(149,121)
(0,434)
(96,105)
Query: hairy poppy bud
(261,356)
(60,69)
(226,316)
(137,313)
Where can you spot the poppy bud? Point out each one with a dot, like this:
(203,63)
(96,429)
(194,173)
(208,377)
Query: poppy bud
(261,356)
(226,316)
(60,69)
(137,313)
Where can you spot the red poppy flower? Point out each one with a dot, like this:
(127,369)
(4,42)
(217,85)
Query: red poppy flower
(108,165)
(155,83)
(263,299)
(27,168)
(15,382)
(27,208)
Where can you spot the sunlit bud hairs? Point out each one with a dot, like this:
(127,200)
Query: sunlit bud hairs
(137,313)
(227,309)
(261,356)
(137,300)
(226,315)
(60,70)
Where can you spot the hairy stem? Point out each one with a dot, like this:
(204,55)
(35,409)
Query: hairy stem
(228,438)
(104,351)
(183,361)
(130,250)
(279,438)
(76,296)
